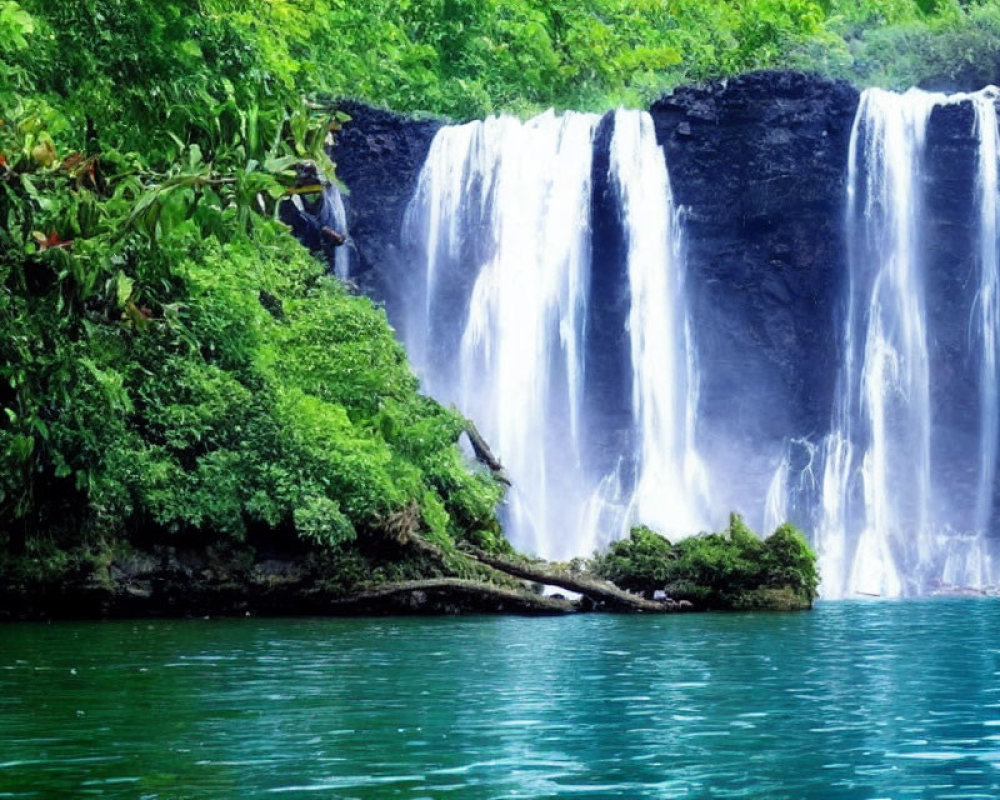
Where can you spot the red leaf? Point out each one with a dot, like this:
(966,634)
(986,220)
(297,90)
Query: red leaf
(51,241)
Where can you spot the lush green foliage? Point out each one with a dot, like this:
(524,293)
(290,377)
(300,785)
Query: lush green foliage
(901,43)
(212,66)
(471,57)
(172,362)
(730,570)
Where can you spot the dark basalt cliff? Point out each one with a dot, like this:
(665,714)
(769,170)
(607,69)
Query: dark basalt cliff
(379,155)
(759,164)
(950,239)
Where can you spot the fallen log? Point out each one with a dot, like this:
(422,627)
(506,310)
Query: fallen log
(335,238)
(484,454)
(450,595)
(599,591)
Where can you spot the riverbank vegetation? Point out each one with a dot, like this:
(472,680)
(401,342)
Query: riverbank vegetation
(173,365)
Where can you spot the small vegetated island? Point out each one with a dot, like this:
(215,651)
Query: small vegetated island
(196,416)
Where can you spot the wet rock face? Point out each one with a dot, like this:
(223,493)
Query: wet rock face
(379,155)
(759,164)
(608,379)
(950,248)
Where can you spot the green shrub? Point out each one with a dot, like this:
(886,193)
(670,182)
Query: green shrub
(640,563)
(145,387)
(729,570)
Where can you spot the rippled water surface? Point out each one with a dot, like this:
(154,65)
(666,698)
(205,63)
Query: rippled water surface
(878,700)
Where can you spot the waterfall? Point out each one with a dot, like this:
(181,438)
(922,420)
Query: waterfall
(671,490)
(988,300)
(501,221)
(882,421)
(776,500)
(548,302)
(314,219)
(881,530)
(521,364)
(502,207)
(334,201)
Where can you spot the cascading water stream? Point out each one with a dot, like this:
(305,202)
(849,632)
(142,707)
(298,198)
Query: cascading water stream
(503,207)
(880,531)
(501,217)
(320,221)
(671,492)
(988,300)
(521,355)
(881,431)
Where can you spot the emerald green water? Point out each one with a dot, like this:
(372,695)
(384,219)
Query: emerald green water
(876,700)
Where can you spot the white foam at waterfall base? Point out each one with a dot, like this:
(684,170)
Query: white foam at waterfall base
(509,202)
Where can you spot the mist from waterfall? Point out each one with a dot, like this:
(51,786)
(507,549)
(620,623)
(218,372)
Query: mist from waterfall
(502,219)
